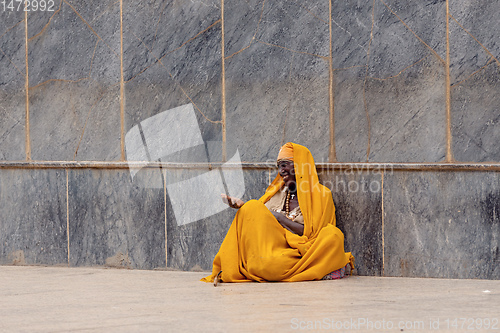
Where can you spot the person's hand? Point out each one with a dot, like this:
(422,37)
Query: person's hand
(232,202)
(289,224)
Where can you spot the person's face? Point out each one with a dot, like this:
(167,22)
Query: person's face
(287,172)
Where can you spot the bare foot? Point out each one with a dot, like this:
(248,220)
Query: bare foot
(232,202)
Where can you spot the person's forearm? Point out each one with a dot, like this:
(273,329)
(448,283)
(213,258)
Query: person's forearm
(292,226)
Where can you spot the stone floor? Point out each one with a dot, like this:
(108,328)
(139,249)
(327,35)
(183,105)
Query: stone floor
(59,299)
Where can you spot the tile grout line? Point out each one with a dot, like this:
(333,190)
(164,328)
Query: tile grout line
(165,212)
(332,153)
(223,84)
(67,213)
(122,90)
(383,226)
(449,154)
(340,166)
(26,87)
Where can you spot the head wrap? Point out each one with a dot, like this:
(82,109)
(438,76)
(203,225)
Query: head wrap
(286,152)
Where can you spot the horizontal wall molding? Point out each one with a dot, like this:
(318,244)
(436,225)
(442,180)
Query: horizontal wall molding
(347,167)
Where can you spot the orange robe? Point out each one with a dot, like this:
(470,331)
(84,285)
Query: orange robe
(258,248)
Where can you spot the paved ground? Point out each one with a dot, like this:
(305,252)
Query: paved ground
(56,299)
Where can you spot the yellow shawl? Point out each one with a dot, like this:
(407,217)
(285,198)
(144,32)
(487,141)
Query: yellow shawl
(258,248)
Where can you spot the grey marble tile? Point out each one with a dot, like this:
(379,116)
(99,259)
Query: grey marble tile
(91,131)
(287,93)
(351,121)
(12,133)
(299,26)
(196,68)
(475,134)
(116,221)
(173,62)
(75,42)
(193,246)
(399,34)
(357,197)
(247,101)
(474,30)
(442,225)
(74,75)
(151,93)
(157,28)
(294,26)
(404,78)
(241,21)
(475,80)
(33,217)
(407,115)
(12,43)
(307,113)
(12,86)
(405,86)
(474,77)
(277,74)
(351,28)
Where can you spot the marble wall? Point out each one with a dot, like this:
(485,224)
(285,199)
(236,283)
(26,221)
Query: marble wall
(396,223)
(373,81)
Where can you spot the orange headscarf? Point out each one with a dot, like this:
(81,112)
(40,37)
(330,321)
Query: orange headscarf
(286,152)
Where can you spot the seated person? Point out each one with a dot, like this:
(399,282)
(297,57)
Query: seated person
(289,234)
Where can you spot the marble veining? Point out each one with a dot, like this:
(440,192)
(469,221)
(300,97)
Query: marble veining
(33,227)
(441,225)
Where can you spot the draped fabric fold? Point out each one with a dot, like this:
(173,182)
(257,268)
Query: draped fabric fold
(258,248)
